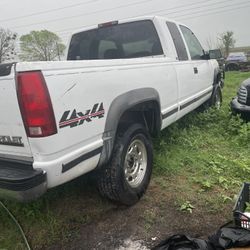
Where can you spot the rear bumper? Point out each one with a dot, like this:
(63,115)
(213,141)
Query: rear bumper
(21,184)
(239,108)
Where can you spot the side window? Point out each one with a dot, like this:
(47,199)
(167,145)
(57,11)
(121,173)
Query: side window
(194,46)
(178,41)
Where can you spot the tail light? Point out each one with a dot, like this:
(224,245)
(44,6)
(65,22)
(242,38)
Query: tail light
(35,104)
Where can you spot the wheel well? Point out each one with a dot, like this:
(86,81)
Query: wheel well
(146,113)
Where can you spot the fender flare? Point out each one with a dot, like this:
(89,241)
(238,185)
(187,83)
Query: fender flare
(216,74)
(216,84)
(119,105)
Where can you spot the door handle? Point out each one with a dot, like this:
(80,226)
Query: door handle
(195,70)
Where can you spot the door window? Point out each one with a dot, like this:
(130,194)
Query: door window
(194,46)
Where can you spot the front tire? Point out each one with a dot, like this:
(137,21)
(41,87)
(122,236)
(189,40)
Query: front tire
(126,178)
(216,98)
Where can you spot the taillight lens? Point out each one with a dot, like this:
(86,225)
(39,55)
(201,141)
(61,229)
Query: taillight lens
(35,104)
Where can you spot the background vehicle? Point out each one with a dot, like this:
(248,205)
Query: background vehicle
(241,103)
(237,57)
(248,55)
(123,82)
(217,55)
(236,61)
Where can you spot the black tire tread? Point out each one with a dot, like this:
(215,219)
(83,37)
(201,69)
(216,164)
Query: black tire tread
(109,182)
(107,178)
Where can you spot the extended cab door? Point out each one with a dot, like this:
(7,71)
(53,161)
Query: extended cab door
(202,75)
(195,74)
(187,86)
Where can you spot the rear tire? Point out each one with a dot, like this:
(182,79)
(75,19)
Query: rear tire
(126,178)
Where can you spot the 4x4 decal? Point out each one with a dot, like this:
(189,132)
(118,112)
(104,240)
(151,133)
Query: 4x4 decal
(78,118)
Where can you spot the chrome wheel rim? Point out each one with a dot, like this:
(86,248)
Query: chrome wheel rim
(135,163)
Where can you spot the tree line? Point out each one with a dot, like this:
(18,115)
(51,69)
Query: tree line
(45,45)
(41,45)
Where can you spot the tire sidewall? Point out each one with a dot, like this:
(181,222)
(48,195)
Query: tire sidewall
(128,194)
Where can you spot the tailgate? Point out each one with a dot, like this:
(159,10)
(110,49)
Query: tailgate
(13,139)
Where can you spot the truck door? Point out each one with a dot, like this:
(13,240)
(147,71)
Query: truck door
(203,74)
(184,70)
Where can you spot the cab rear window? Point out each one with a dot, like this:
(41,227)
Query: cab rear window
(128,40)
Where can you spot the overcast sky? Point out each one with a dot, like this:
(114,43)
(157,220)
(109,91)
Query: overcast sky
(207,18)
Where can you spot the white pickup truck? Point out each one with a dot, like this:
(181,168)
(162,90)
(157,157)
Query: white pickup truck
(123,82)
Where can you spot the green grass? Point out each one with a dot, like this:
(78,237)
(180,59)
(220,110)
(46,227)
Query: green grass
(202,154)
(211,144)
(210,150)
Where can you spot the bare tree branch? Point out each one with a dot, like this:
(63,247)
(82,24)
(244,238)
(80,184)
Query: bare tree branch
(7,45)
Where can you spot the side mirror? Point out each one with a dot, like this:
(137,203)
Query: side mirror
(205,56)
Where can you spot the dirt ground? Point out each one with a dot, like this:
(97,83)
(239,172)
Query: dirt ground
(144,225)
